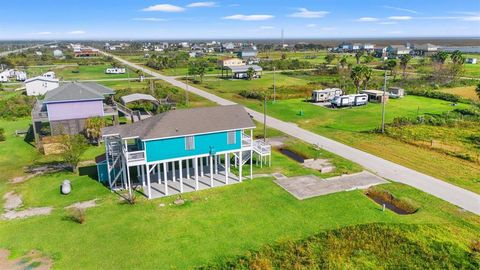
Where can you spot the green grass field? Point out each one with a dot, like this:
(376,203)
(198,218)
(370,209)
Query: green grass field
(85,72)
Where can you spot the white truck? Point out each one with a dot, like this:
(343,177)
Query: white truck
(115,71)
(349,100)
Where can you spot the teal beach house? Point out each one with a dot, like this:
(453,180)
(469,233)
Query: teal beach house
(181,151)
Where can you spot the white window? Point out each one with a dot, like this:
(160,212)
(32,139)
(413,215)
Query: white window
(189,143)
(231,137)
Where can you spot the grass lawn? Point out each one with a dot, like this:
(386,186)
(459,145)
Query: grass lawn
(85,72)
(213,224)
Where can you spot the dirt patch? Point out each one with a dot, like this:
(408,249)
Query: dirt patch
(39,170)
(83,205)
(12,201)
(322,165)
(33,260)
(277,142)
(30,212)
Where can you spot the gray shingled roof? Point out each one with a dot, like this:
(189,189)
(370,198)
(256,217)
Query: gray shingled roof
(185,122)
(244,68)
(78,91)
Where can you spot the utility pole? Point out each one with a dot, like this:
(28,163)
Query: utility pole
(274,87)
(186,90)
(383,100)
(265,117)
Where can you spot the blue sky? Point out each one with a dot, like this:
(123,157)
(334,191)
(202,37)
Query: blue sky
(146,19)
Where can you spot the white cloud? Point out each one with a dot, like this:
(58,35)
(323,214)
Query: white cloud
(328,28)
(472,18)
(400,18)
(241,17)
(311,25)
(149,19)
(266,27)
(387,23)
(44,33)
(77,32)
(305,13)
(395,32)
(367,19)
(401,9)
(164,8)
(202,4)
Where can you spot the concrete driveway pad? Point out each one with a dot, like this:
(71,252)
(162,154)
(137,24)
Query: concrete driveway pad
(308,186)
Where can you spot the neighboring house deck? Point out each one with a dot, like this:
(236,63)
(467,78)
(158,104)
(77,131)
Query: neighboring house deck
(180,151)
(67,107)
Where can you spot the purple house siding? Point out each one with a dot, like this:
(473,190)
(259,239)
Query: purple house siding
(74,110)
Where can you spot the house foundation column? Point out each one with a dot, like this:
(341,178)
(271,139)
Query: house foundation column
(211,171)
(240,166)
(159,175)
(201,166)
(196,173)
(188,168)
(173,171)
(165,178)
(180,175)
(149,189)
(227,160)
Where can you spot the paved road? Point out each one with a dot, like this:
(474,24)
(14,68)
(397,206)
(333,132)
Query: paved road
(384,168)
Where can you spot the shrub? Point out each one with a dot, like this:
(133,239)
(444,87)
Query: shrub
(435,94)
(385,196)
(2,135)
(77,215)
(252,94)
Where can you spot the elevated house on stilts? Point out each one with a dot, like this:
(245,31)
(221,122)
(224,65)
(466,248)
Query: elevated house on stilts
(181,151)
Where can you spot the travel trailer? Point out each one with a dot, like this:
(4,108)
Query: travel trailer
(349,100)
(115,71)
(325,94)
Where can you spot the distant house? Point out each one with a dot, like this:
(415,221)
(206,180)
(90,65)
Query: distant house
(49,74)
(397,50)
(180,151)
(356,46)
(425,49)
(228,62)
(20,75)
(85,52)
(368,47)
(241,72)
(67,107)
(4,75)
(57,54)
(228,46)
(471,60)
(247,54)
(40,85)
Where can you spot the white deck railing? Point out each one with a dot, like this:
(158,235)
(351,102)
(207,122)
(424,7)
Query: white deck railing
(246,140)
(262,147)
(135,156)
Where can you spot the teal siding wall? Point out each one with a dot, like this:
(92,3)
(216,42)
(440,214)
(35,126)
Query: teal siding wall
(175,147)
(102,171)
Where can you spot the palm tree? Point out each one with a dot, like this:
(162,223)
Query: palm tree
(457,57)
(358,56)
(343,61)
(357,76)
(367,75)
(404,59)
(440,57)
(93,128)
(250,73)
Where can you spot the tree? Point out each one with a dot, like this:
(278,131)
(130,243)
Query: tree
(329,58)
(478,90)
(250,73)
(357,76)
(358,56)
(440,57)
(368,58)
(457,64)
(404,59)
(93,128)
(72,146)
(390,65)
(367,75)
(343,61)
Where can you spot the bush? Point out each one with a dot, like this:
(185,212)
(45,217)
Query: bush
(77,215)
(252,94)
(16,106)
(435,94)
(2,135)
(402,204)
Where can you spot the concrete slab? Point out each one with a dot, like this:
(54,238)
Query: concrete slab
(308,186)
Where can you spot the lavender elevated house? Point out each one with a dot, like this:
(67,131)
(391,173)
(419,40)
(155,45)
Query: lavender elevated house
(67,107)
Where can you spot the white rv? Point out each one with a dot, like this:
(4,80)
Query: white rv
(20,75)
(325,94)
(50,75)
(349,100)
(4,76)
(115,71)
